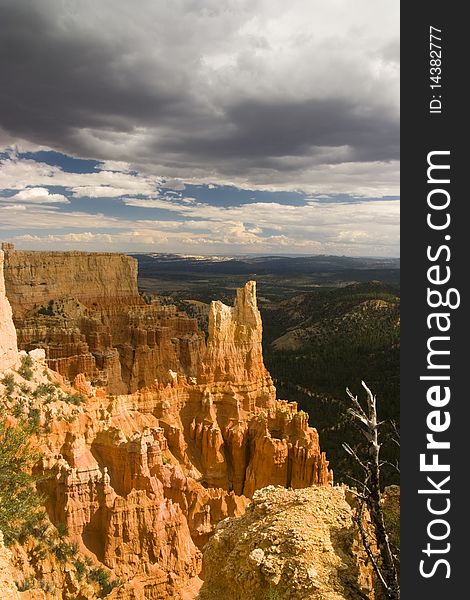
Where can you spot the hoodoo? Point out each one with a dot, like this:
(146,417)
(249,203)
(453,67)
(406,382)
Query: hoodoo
(140,479)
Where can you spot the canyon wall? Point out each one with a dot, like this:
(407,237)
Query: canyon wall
(101,278)
(141,479)
(85,310)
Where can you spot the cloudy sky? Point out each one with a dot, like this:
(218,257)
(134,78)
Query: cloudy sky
(200,126)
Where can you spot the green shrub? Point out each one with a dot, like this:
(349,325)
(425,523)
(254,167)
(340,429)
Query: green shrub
(101,577)
(48,310)
(75,399)
(26,584)
(20,503)
(64,550)
(18,408)
(34,417)
(25,369)
(80,568)
(44,389)
(9,383)
(62,530)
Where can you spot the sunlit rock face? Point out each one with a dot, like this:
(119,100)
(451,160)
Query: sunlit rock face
(8,343)
(297,544)
(85,310)
(142,477)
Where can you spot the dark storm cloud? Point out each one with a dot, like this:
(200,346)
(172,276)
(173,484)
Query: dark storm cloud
(60,77)
(300,128)
(186,87)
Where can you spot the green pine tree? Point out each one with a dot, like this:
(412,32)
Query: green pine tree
(21,511)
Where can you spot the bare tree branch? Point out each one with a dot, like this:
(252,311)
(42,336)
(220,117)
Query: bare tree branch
(361,485)
(389,464)
(356,404)
(365,541)
(350,451)
(371,497)
(396,438)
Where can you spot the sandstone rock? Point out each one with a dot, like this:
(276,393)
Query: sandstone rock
(82,385)
(142,479)
(296,544)
(8,589)
(159,469)
(85,310)
(234,351)
(8,343)
(34,278)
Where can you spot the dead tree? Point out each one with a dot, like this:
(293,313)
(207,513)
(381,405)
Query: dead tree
(370,495)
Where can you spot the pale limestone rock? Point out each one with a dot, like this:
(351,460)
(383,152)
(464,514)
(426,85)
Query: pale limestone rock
(234,350)
(8,589)
(38,355)
(311,549)
(8,342)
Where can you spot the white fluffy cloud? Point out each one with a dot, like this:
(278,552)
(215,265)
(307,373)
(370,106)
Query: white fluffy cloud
(36,217)
(20,173)
(360,229)
(38,195)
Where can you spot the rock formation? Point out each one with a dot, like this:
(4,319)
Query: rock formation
(8,344)
(85,310)
(296,544)
(234,351)
(141,479)
(8,589)
(102,278)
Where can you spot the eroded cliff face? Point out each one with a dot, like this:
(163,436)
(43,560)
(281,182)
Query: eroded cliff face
(34,277)
(85,310)
(8,589)
(204,443)
(8,343)
(141,479)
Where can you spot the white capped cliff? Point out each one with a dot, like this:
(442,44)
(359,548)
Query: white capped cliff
(8,344)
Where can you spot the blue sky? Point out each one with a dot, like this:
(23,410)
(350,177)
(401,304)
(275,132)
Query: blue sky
(50,200)
(201,128)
